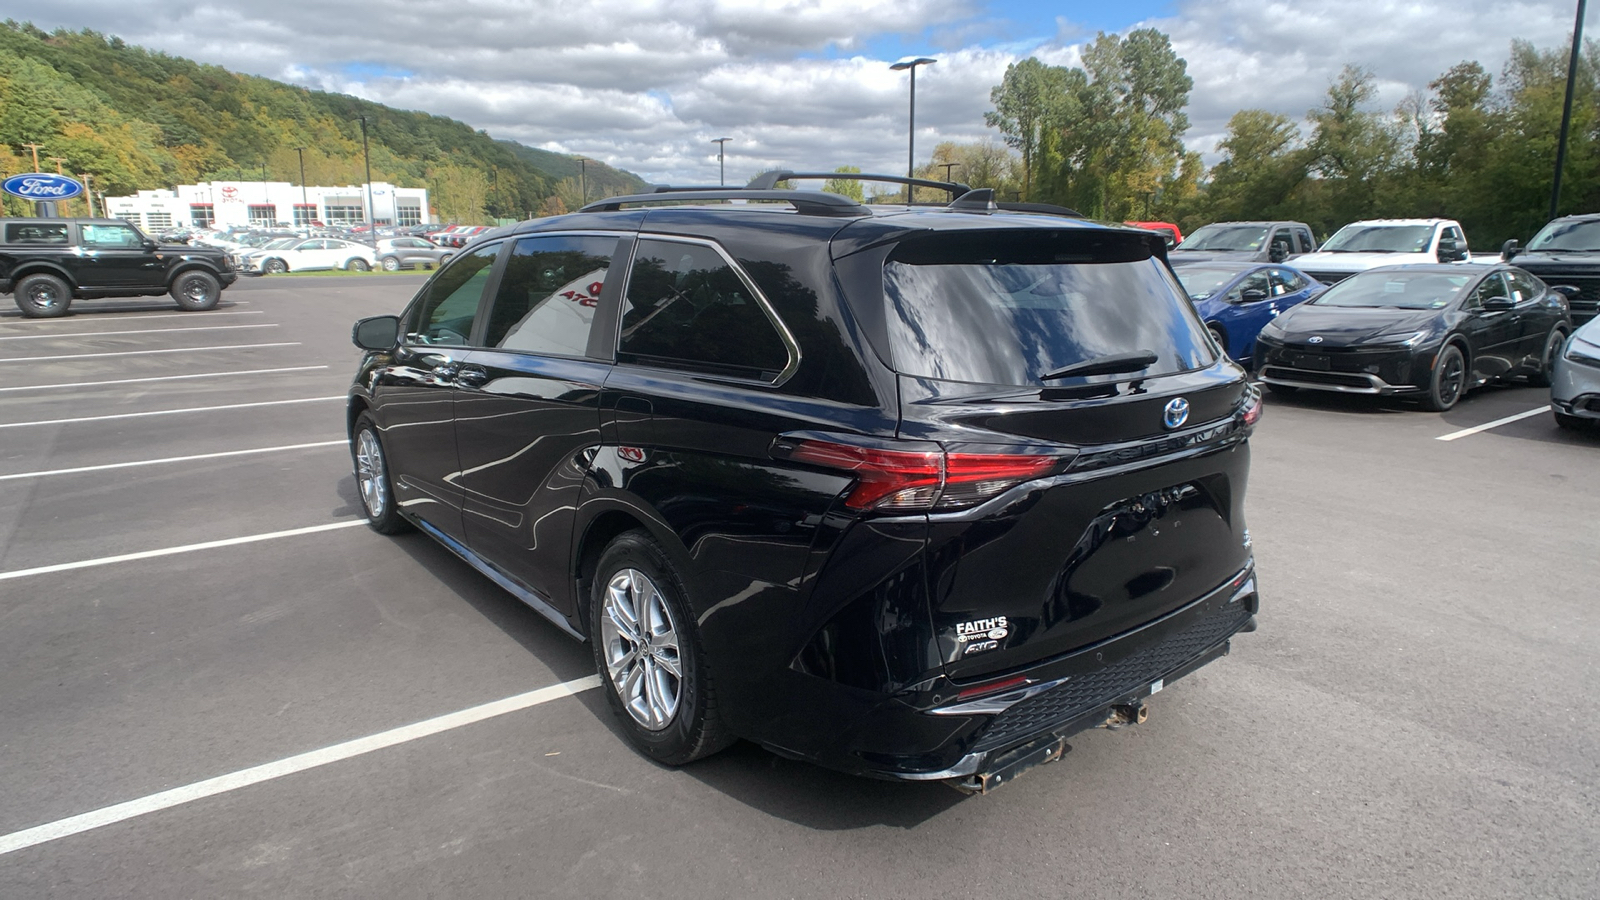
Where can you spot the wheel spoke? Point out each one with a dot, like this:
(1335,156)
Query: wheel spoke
(641,648)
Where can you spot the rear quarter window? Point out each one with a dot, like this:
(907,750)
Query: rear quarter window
(36,233)
(1005,308)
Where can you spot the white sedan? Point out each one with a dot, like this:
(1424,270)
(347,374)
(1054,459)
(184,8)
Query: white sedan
(312,254)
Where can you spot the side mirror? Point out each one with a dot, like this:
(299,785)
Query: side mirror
(1498,304)
(1568,291)
(1278,252)
(1509,250)
(376,333)
(1254,295)
(150,245)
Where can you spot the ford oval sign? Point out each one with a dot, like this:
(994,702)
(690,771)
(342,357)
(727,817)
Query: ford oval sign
(1176,413)
(42,186)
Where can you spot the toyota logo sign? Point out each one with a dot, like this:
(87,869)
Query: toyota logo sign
(1176,413)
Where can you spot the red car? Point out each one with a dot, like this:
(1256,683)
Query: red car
(1165,229)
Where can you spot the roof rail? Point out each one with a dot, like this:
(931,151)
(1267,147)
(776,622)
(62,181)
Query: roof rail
(766,181)
(1049,209)
(807,203)
(681,188)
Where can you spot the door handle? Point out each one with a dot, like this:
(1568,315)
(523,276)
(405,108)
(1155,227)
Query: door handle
(470,376)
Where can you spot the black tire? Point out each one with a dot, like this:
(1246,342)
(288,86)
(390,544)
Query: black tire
(1283,390)
(274,267)
(196,291)
(357,265)
(1449,382)
(42,296)
(1219,337)
(390,263)
(692,728)
(1570,423)
(372,478)
(1547,362)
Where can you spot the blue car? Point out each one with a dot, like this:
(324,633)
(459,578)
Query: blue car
(1236,299)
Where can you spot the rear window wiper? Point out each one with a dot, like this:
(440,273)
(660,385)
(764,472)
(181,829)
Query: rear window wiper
(1137,361)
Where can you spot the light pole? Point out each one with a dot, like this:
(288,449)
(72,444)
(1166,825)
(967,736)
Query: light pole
(722,173)
(947,168)
(366,159)
(583,179)
(301,152)
(1566,109)
(911,63)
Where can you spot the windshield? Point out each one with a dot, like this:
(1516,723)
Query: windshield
(1006,309)
(1220,238)
(1582,235)
(1396,290)
(1202,282)
(1380,239)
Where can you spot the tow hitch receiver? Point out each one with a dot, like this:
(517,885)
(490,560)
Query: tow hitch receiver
(1007,766)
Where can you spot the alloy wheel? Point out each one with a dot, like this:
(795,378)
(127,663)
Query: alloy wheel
(641,649)
(370,474)
(1452,379)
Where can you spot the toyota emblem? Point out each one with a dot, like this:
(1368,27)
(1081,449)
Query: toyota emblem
(1176,413)
(1314,339)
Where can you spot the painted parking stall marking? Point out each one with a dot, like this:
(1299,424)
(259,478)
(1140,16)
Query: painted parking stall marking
(146,352)
(19,320)
(233,374)
(1476,429)
(81,334)
(233,781)
(173,551)
(169,412)
(174,459)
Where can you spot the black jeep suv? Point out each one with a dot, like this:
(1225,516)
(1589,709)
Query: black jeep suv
(46,263)
(910,492)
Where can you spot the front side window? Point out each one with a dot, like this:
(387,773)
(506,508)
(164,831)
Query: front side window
(549,293)
(1011,309)
(1255,281)
(1491,287)
(687,308)
(123,236)
(1285,281)
(1526,286)
(449,307)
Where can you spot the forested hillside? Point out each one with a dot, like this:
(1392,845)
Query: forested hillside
(137,120)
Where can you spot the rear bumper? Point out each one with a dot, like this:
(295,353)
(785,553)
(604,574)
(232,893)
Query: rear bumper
(924,736)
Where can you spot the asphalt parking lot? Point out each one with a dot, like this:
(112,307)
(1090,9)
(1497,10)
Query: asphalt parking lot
(215,682)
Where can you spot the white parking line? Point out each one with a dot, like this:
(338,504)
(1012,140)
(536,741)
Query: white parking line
(67,334)
(246,777)
(76,384)
(168,412)
(173,551)
(19,320)
(1466,432)
(144,352)
(171,459)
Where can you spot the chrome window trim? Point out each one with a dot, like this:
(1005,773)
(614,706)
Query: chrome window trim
(790,345)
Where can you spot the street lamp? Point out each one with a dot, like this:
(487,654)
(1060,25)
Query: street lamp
(911,62)
(583,178)
(1566,109)
(366,158)
(301,152)
(722,173)
(947,168)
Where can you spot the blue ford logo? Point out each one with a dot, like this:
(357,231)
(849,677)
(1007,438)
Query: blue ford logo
(1176,413)
(42,186)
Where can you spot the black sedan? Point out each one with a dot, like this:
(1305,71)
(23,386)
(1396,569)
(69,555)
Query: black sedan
(1433,331)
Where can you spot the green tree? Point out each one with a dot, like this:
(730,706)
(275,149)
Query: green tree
(1262,166)
(1353,149)
(844,186)
(1027,104)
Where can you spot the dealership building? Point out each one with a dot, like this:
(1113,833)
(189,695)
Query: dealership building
(269,204)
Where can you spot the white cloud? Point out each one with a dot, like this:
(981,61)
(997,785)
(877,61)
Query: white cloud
(646,84)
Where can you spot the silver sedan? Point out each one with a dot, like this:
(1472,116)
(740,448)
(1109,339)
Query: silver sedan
(1575,379)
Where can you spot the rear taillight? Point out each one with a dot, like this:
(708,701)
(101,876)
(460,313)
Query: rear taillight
(925,478)
(1252,408)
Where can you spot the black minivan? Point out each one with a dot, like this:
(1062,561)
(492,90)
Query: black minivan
(911,492)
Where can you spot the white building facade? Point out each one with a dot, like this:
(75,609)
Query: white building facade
(269,204)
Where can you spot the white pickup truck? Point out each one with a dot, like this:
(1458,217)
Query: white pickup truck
(1384,242)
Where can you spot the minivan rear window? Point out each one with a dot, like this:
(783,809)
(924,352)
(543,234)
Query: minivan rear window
(1006,308)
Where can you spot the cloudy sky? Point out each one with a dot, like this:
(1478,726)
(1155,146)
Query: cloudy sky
(645,85)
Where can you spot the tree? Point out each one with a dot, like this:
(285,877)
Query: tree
(1027,102)
(1261,167)
(1354,149)
(846,187)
